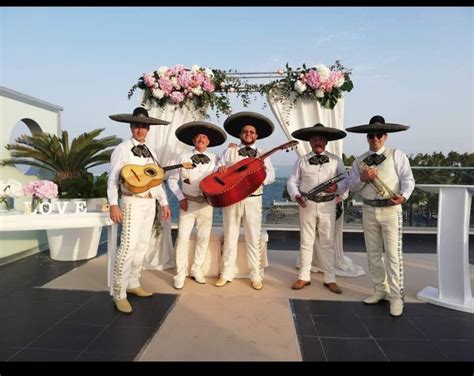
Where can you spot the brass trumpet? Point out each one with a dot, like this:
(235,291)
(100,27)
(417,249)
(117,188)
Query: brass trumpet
(382,189)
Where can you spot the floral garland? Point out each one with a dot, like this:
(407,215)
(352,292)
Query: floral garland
(321,83)
(201,87)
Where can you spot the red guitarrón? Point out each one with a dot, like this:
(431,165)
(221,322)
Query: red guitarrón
(239,181)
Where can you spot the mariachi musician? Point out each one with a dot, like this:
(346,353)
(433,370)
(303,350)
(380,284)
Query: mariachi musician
(136,211)
(317,212)
(383,177)
(248,126)
(194,207)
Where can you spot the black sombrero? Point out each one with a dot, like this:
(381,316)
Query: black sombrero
(186,132)
(140,115)
(234,124)
(319,129)
(377,124)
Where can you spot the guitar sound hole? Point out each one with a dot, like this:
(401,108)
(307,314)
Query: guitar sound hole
(242,168)
(150,172)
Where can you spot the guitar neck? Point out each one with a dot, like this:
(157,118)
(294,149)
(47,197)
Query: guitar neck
(168,168)
(281,147)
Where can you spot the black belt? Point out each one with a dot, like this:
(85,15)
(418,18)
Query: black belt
(377,203)
(322,198)
(256,195)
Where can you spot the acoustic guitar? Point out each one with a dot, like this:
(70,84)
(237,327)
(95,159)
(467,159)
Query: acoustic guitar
(138,179)
(239,181)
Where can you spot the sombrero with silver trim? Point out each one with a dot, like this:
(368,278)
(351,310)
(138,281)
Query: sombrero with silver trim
(319,129)
(140,115)
(234,124)
(377,124)
(186,132)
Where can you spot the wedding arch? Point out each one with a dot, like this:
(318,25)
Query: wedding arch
(297,97)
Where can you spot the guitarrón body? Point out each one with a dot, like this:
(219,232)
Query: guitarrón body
(239,181)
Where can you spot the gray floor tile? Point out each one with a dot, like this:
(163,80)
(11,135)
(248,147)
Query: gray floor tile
(411,350)
(350,350)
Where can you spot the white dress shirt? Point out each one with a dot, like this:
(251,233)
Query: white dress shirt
(306,176)
(121,156)
(194,176)
(269,179)
(402,168)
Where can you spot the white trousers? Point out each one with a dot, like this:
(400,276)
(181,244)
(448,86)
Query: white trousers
(201,214)
(383,232)
(250,211)
(138,215)
(318,220)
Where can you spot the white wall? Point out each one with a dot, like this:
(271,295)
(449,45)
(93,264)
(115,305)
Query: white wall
(39,116)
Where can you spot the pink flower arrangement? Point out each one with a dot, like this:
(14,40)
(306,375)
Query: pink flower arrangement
(41,189)
(179,85)
(325,84)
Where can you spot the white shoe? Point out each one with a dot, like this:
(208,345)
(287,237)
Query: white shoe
(178,282)
(377,297)
(199,278)
(257,285)
(396,307)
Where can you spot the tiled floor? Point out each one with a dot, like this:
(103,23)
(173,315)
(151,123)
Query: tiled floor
(353,331)
(65,325)
(40,324)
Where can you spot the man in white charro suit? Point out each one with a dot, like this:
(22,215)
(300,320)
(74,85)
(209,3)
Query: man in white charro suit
(136,211)
(194,207)
(383,177)
(318,212)
(248,126)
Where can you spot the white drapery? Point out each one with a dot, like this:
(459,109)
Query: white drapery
(161,254)
(305,113)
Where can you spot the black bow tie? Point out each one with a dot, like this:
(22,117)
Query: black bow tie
(141,151)
(374,159)
(200,158)
(247,151)
(318,159)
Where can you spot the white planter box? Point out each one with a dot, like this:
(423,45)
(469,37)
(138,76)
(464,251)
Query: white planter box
(72,244)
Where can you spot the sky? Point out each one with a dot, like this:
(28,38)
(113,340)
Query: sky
(412,65)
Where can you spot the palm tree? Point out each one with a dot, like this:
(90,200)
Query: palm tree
(66,161)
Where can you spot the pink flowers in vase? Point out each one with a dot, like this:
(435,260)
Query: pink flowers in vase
(41,189)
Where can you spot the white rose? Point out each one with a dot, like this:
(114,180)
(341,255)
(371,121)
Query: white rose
(340,81)
(223,85)
(16,189)
(209,72)
(232,89)
(175,83)
(319,93)
(158,93)
(300,87)
(195,68)
(323,71)
(197,91)
(162,70)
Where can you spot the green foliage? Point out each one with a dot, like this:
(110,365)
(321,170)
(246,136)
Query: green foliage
(66,160)
(86,186)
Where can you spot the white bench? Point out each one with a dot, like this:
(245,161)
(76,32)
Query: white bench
(212,264)
(213,261)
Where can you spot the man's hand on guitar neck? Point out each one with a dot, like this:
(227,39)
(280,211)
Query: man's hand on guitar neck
(300,200)
(115,214)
